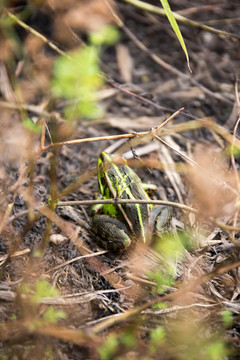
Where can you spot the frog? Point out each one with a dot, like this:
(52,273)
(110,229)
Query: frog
(121,225)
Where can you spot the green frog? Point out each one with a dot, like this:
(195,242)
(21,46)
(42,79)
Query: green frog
(120,224)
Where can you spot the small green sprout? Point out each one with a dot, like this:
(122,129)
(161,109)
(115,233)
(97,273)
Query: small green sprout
(108,35)
(163,280)
(227,318)
(51,315)
(232,150)
(129,339)
(48,354)
(107,350)
(159,305)
(30,125)
(216,351)
(157,337)
(42,289)
(35,293)
(79,79)
(37,254)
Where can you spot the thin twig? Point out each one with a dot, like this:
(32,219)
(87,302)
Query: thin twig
(76,259)
(36,33)
(185,157)
(177,308)
(15,254)
(105,201)
(150,134)
(143,99)
(32,108)
(221,21)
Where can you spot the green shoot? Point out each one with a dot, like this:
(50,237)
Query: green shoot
(108,35)
(79,79)
(175,27)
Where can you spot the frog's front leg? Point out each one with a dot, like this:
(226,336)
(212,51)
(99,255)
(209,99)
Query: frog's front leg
(111,233)
(161,217)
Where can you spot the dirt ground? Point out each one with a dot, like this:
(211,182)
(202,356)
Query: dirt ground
(62,295)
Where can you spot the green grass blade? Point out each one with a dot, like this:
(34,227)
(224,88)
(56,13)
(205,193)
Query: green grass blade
(175,27)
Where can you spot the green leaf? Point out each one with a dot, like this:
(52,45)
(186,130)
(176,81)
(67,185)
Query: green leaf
(159,305)
(107,350)
(30,125)
(169,247)
(51,315)
(175,27)
(129,339)
(162,280)
(37,254)
(232,150)
(157,337)
(78,79)
(49,354)
(216,351)
(42,289)
(107,35)
(227,318)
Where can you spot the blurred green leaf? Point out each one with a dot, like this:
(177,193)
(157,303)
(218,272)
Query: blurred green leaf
(78,80)
(129,338)
(232,150)
(48,354)
(37,253)
(30,125)
(51,315)
(42,289)
(159,305)
(107,35)
(107,351)
(169,247)
(216,351)
(227,318)
(157,336)
(163,280)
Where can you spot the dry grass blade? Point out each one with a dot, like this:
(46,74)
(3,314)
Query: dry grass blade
(180,153)
(213,189)
(171,172)
(15,254)
(73,336)
(36,33)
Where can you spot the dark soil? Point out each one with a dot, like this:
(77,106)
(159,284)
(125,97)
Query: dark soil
(94,288)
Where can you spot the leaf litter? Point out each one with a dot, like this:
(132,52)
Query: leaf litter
(184,293)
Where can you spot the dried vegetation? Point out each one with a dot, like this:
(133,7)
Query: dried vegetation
(61,295)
